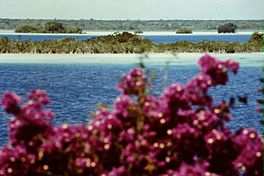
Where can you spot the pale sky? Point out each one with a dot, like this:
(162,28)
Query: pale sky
(133,9)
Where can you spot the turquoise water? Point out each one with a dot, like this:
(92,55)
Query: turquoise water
(76,88)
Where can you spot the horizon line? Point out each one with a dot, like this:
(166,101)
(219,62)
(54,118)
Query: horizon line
(14,18)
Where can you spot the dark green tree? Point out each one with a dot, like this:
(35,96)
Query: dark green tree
(227,28)
(54,27)
(256,37)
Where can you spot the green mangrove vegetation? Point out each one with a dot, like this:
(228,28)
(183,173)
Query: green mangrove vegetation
(133,25)
(49,27)
(227,28)
(127,43)
(184,30)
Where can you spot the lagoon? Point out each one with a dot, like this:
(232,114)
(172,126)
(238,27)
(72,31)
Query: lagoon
(155,37)
(76,83)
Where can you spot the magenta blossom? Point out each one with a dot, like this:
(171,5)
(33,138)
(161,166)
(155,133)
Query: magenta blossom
(180,133)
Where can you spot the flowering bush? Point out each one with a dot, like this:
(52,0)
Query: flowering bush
(179,134)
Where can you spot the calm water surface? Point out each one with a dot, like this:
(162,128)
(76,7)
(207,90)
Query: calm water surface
(76,88)
(155,38)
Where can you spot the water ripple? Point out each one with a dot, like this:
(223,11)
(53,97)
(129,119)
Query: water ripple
(76,89)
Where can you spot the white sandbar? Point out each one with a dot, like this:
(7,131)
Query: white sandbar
(246,59)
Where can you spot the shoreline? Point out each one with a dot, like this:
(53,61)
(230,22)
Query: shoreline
(147,33)
(246,59)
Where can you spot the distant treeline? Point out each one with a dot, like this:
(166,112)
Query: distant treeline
(126,43)
(57,27)
(49,27)
(135,25)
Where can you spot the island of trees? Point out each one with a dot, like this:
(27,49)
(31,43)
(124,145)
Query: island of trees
(49,27)
(134,25)
(126,43)
(227,28)
(56,27)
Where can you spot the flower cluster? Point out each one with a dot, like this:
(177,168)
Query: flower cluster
(133,83)
(180,133)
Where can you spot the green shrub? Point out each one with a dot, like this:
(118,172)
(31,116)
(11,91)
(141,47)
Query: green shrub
(184,31)
(227,28)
